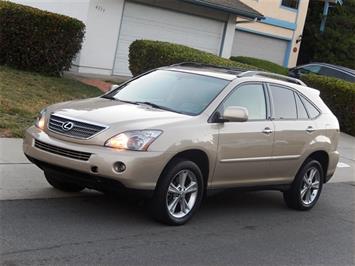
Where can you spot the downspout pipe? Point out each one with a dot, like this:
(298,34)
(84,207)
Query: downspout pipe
(325,14)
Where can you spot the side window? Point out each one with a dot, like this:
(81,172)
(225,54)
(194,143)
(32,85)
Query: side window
(301,110)
(284,104)
(250,96)
(310,68)
(290,3)
(312,111)
(327,71)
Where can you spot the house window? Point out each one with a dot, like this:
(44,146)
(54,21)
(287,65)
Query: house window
(290,3)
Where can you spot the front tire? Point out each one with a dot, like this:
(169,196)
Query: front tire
(306,188)
(56,181)
(179,192)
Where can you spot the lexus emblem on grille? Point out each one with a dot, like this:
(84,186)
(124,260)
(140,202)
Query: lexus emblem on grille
(67,126)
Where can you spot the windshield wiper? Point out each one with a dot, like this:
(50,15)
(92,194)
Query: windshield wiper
(146,103)
(158,106)
(108,97)
(151,104)
(115,99)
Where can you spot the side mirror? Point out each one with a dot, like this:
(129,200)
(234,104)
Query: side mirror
(294,72)
(298,72)
(235,114)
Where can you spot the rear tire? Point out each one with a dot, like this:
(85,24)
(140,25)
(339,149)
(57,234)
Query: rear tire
(306,188)
(56,181)
(178,193)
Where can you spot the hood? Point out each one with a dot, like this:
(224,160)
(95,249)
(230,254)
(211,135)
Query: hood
(114,113)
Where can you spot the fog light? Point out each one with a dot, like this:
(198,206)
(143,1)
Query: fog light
(119,167)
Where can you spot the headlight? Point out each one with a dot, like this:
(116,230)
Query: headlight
(40,121)
(136,140)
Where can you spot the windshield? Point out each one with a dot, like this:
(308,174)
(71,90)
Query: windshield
(172,90)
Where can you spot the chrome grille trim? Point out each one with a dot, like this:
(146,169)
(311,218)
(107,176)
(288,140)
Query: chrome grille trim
(81,129)
(79,155)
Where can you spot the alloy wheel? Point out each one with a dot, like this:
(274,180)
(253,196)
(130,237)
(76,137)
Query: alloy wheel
(310,186)
(182,193)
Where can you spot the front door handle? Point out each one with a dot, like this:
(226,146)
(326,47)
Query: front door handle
(267,131)
(310,129)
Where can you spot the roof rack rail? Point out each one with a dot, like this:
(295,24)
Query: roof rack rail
(271,75)
(197,64)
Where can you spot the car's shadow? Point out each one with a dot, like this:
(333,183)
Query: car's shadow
(231,227)
(132,209)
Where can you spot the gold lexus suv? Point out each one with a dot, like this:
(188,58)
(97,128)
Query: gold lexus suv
(181,130)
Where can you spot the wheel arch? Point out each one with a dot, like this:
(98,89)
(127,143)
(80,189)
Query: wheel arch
(199,157)
(323,158)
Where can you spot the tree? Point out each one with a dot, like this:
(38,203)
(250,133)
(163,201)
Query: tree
(336,45)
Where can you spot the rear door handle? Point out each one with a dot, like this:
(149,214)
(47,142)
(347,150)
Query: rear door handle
(310,129)
(267,131)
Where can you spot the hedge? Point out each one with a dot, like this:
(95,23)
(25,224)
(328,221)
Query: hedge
(260,63)
(146,54)
(339,95)
(37,40)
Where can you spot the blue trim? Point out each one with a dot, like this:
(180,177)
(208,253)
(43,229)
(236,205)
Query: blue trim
(279,23)
(287,54)
(265,34)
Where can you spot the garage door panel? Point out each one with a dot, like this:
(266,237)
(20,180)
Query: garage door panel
(263,47)
(145,22)
(133,31)
(165,17)
(213,30)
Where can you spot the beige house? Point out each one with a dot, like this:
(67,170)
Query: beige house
(278,36)
(267,29)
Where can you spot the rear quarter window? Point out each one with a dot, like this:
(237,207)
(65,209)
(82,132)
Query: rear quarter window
(301,109)
(311,109)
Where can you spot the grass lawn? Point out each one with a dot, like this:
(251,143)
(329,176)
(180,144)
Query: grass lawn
(24,94)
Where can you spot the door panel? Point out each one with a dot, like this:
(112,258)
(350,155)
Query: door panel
(294,132)
(291,141)
(245,147)
(243,154)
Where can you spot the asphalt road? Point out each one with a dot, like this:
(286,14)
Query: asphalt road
(42,226)
(232,228)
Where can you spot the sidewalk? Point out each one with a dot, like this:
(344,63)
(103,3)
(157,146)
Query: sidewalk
(19,179)
(102,82)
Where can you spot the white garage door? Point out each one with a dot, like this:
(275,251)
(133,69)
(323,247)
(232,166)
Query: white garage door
(253,45)
(145,22)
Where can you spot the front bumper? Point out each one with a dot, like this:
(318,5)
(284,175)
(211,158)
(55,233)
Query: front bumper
(142,168)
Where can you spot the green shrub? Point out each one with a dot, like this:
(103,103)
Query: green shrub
(145,55)
(260,63)
(36,40)
(339,95)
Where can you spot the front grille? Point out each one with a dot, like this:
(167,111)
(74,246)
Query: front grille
(78,129)
(79,155)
